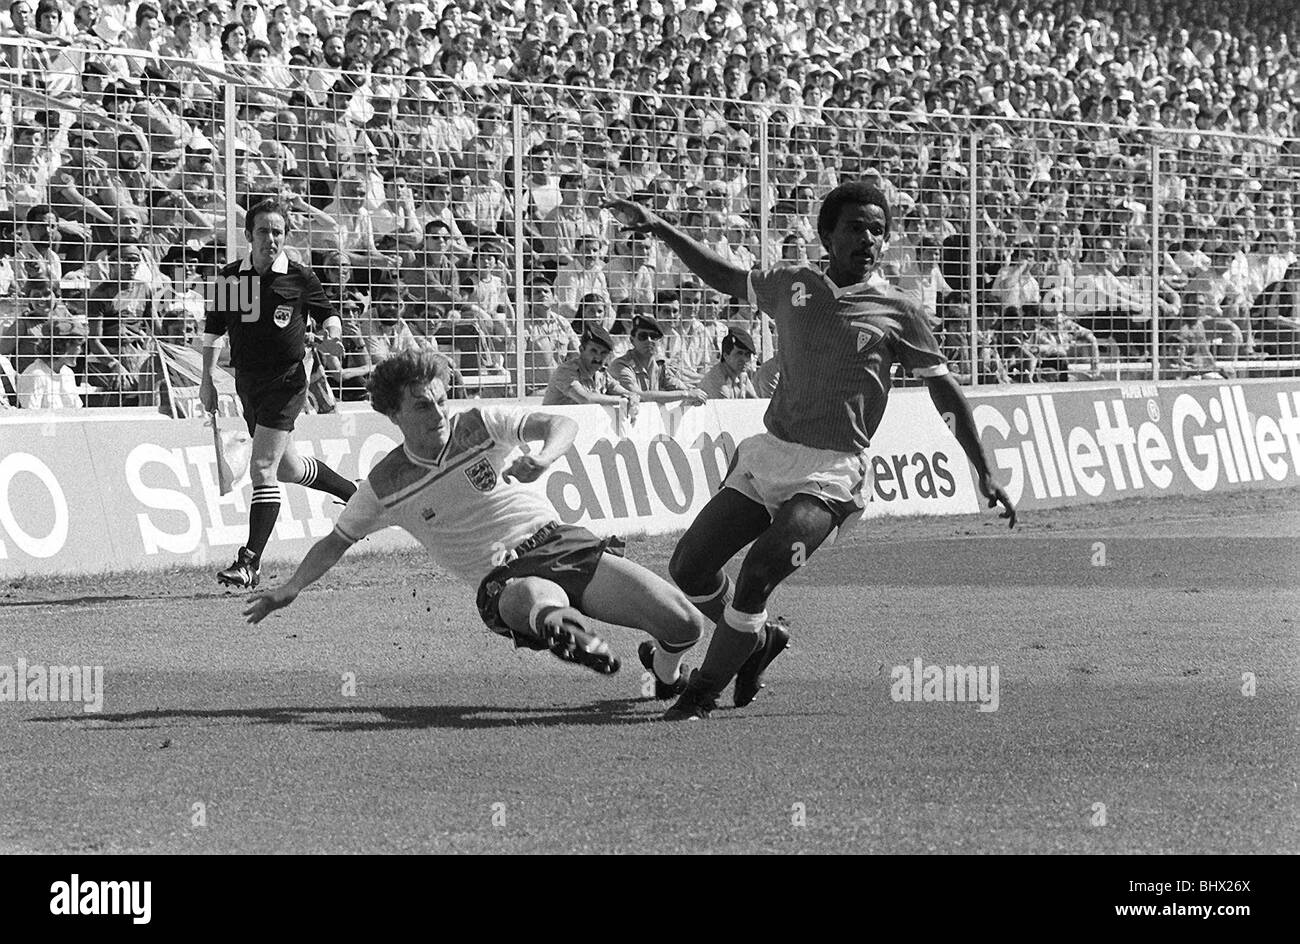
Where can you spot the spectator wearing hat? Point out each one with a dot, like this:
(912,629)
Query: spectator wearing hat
(583,378)
(729,378)
(644,369)
(49,382)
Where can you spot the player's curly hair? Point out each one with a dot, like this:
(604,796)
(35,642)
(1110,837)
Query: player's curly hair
(853,192)
(390,377)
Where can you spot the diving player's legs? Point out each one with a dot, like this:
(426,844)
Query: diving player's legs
(268,448)
(538,611)
(310,472)
(800,526)
(628,594)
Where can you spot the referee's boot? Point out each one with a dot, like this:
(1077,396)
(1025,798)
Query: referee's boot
(663,690)
(567,634)
(749,680)
(243,573)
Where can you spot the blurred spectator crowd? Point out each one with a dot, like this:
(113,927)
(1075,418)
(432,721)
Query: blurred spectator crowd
(1126,173)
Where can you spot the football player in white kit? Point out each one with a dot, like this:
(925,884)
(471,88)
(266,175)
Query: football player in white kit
(449,485)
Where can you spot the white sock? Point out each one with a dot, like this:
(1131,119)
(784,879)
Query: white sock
(668,665)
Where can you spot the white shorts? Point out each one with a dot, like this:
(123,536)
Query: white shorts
(770,471)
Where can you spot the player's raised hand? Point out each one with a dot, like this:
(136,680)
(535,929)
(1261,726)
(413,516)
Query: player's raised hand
(633,216)
(263,604)
(525,469)
(998,496)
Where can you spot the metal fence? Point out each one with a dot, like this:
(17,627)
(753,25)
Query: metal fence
(471,220)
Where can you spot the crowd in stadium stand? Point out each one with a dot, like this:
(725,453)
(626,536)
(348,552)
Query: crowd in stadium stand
(386,130)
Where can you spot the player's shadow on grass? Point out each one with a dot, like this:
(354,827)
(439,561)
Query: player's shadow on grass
(95,599)
(364,718)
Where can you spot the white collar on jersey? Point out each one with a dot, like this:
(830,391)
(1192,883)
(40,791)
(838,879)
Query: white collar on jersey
(874,280)
(420,460)
(280,266)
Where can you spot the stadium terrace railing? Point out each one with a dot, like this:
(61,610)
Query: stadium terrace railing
(472,219)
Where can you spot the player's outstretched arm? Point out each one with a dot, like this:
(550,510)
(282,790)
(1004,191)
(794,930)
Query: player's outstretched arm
(710,267)
(950,401)
(557,434)
(323,555)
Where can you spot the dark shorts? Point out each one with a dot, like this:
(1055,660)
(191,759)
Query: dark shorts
(272,400)
(562,553)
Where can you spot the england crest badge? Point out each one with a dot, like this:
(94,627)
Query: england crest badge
(482,475)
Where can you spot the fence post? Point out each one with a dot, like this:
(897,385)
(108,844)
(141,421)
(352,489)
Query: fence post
(517,134)
(1155,261)
(764,214)
(228,157)
(974,265)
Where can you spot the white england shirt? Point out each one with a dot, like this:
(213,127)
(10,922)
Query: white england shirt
(457,506)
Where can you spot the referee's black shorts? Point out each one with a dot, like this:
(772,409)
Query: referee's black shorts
(273,400)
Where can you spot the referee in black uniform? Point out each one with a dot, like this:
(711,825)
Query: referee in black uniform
(263,303)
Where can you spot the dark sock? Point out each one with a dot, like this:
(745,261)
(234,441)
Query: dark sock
(261,518)
(713,604)
(728,650)
(321,477)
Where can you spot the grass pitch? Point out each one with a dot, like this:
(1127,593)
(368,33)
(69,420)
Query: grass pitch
(1121,726)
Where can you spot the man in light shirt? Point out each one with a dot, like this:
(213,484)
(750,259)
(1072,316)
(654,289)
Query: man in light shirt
(582,377)
(49,382)
(646,371)
(729,378)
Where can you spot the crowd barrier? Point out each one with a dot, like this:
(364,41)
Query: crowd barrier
(126,490)
(471,219)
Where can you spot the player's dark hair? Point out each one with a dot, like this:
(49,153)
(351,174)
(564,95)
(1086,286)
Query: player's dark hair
(856,192)
(414,366)
(262,207)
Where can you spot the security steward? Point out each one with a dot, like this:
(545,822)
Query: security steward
(729,378)
(645,370)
